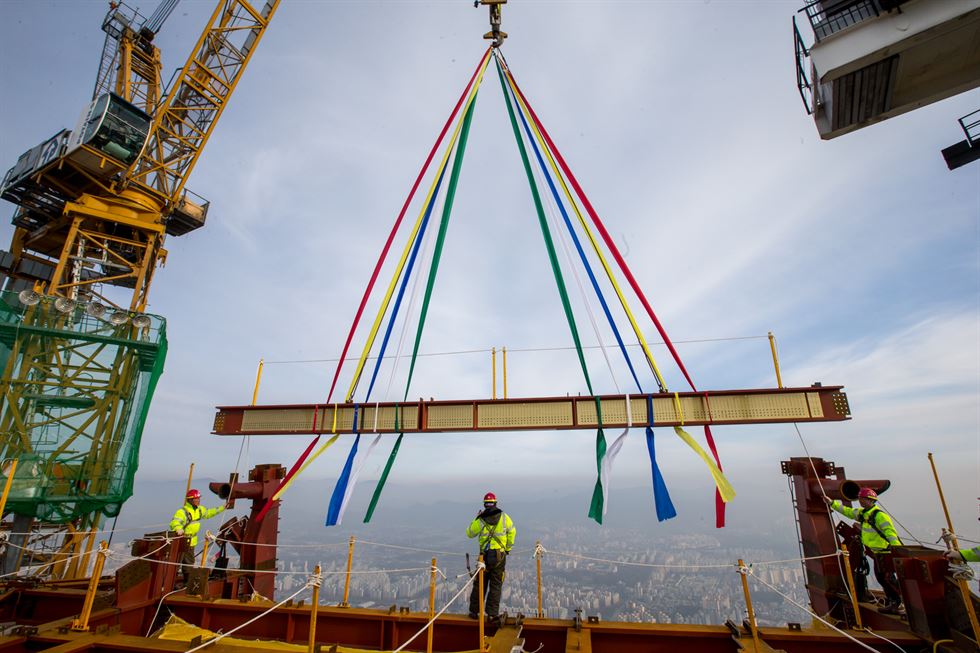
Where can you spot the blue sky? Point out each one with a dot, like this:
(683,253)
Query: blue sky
(684,125)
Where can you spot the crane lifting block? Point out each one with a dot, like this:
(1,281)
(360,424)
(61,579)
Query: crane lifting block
(763,406)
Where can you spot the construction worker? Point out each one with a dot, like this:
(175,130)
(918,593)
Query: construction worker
(187,522)
(964,555)
(878,535)
(496,532)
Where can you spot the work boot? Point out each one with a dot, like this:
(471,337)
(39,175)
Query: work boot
(892,608)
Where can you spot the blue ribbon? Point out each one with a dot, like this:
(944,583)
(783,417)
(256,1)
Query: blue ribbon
(337,499)
(661,497)
(578,244)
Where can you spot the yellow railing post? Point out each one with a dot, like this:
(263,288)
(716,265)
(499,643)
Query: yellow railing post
(190,477)
(89,543)
(748,602)
(964,590)
(850,585)
(505,372)
(493,368)
(775,359)
(313,611)
(258,378)
(6,486)
(350,559)
(479,572)
(432,606)
(537,555)
(81,623)
(204,552)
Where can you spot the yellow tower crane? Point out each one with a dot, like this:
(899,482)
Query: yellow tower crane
(79,356)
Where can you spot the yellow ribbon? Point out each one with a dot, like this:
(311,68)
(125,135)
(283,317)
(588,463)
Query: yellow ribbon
(724,487)
(306,464)
(595,244)
(411,239)
(677,407)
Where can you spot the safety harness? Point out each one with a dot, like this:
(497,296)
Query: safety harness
(872,521)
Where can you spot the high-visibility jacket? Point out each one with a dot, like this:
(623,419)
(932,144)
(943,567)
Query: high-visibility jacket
(495,529)
(877,531)
(188,518)
(971,555)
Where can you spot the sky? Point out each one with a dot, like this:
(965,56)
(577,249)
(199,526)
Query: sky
(683,123)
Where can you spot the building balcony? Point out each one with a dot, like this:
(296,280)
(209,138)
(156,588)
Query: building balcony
(871,60)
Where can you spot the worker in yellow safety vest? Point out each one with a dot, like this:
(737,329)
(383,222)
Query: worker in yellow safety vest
(187,523)
(964,555)
(878,535)
(496,533)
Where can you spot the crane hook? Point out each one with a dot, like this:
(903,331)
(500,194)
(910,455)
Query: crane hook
(494,34)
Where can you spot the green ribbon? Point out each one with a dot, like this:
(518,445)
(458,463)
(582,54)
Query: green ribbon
(433,271)
(595,510)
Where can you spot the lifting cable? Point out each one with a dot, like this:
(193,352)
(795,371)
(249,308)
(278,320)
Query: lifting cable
(719,498)
(595,509)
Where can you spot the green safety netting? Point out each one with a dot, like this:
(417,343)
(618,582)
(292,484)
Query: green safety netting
(75,390)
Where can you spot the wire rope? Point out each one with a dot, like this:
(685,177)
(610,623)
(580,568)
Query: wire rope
(519,350)
(253,619)
(812,613)
(479,566)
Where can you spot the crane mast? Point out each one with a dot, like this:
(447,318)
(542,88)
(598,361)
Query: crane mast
(80,357)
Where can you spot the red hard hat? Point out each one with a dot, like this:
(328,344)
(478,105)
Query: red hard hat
(193,494)
(489,497)
(867,493)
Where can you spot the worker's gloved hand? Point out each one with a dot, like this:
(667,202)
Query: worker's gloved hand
(179,531)
(954,556)
(827,500)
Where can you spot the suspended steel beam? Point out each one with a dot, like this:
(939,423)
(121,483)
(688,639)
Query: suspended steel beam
(763,406)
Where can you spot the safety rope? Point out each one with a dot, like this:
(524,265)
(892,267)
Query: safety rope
(221,636)
(479,566)
(679,566)
(830,512)
(106,530)
(160,605)
(871,632)
(748,571)
(900,524)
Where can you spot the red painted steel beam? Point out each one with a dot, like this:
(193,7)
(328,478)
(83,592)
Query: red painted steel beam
(759,406)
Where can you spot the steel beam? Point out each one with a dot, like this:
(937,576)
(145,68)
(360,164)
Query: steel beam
(763,406)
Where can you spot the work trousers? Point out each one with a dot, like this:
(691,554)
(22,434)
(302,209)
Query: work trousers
(493,583)
(884,570)
(187,562)
(887,578)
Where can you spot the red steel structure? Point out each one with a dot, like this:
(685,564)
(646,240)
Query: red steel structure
(130,604)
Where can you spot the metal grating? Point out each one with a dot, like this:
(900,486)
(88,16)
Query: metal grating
(767,406)
(524,414)
(450,417)
(614,411)
(284,419)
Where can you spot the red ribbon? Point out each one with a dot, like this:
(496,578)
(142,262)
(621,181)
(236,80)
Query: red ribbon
(398,221)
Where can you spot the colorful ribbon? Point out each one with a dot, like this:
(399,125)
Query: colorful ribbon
(719,500)
(661,497)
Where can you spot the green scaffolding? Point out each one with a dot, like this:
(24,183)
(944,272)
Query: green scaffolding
(75,391)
